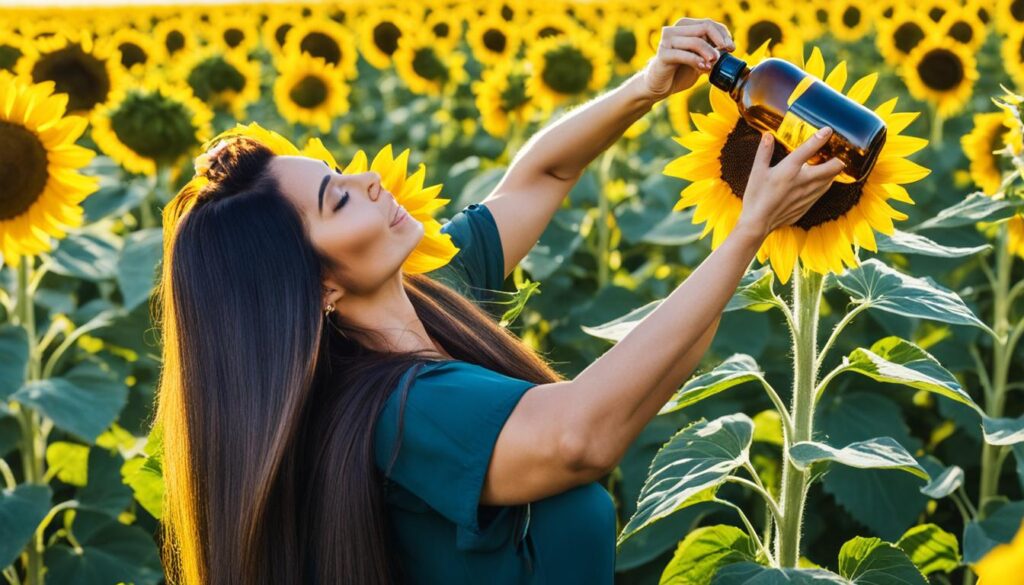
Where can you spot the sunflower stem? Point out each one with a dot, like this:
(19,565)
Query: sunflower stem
(937,122)
(995,403)
(806,299)
(603,231)
(32,443)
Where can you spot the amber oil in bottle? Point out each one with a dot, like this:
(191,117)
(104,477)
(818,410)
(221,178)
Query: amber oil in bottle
(779,97)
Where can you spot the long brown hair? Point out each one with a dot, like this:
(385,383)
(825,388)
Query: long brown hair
(266,406)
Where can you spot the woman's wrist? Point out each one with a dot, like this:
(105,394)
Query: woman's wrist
(750,231)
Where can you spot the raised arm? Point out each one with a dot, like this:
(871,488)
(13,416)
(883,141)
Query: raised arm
(553,160)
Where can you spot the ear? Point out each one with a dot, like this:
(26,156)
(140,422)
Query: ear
(332,293)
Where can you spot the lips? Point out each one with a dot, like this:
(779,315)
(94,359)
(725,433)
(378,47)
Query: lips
(399,212)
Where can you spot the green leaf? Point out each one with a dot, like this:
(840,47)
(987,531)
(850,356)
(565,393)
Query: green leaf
(84,401)
(704,551)
(88,256)
(768,428)
(877,453)
(898,361)
(70,460)
(695,460)
(143,475)
(908,243)
(21,511)
(137,265)
(735,370)
(619,327)
(945,483)
(111,553)
(870,561)
(974,208)
(560,240)
(105,492)
(1002,522)
(1003,431)
(755,292)
(892,291)
(749,573)
(13,358)
(931,549)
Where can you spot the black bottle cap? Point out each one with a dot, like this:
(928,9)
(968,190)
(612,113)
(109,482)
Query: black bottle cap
(726,71)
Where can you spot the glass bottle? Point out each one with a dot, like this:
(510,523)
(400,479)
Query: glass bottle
(779,97)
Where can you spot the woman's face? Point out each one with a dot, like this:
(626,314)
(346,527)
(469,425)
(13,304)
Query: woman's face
(350,219)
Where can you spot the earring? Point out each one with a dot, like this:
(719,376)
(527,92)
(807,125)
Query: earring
(329,310)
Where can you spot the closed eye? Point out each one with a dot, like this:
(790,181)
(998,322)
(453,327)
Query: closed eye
(344,199)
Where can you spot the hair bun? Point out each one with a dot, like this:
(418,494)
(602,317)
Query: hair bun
(204,161)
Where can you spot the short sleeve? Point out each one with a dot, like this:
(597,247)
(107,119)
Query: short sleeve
(453,414)
(479,266)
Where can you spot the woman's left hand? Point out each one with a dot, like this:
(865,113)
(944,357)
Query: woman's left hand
(685,51)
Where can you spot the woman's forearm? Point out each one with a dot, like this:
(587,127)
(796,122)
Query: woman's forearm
(618,392)
(565,147)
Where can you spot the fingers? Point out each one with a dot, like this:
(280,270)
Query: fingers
(694,44)
(824,171)
(685,57)
(762,158)
(714,31)
(805,151)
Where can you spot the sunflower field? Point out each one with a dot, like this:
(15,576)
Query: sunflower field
(859,416)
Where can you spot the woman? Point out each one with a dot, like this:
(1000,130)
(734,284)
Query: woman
(328,418)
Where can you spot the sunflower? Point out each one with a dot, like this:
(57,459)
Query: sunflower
(149,124)
(992,133)
(84,69)
(1012,51)
(492,40)
(280,21)
(548,24)
(309,91)
(138,51)
(567,66)
(813,19)
(963,26)
(42,185)
(942,72)
(898,36)
(718,167)
(423,69)
(624,34)
(327,40)
(12,48)
(775,24)
(1015,235)
(445,26)
(379,33)
(435,249)
(502,97)
(233,31)
(1009,15)
(224,80)
(935,10)
(174,37)
(849,20)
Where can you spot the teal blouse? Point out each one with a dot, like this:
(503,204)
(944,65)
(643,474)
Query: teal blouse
(453,414)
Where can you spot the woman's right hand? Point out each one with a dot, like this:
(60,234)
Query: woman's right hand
(782,194)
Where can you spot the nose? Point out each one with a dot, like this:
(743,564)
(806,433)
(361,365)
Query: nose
(375,187)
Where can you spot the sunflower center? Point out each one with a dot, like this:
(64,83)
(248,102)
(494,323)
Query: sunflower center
(567,70)
(740,148)
(851,16)
(426,64)
(153,126)
(233,37)
(495,40)
(385,37)
(8,57)
(763,30)
(941,70)
(214,76)
(506,12)
(514,94)
(625,45)
(309,93)
(281,32)
(550,31)
(22,169)
(442,30)
(907,36)
(961,31)
(983,15)
(1017,10)
(936,13)
(132,54)
(321,45)
(174,41)
(821,15)
(74,72)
